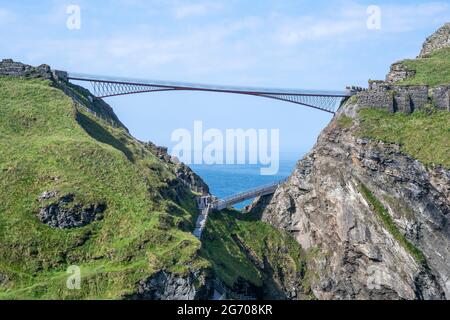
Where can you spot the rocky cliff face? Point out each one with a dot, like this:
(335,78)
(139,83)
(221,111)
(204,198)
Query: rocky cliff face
(324,205)
(375,221)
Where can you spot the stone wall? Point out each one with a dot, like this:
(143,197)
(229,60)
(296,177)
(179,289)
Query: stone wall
(397,98)
(441,97)
(16,69)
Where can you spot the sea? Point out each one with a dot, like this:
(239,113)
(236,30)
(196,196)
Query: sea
(228,180)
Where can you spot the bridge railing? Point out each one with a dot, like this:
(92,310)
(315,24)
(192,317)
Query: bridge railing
(213,87)
(243,196)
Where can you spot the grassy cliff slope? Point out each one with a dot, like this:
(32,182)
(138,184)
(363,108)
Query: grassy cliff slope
(432,70)
(424,136)
(47,145)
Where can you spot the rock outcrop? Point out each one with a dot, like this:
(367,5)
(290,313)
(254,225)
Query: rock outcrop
(391,95)
(399,72)
(168,286)
(3,280)
(16,69)
(439,40)
(65,214)
(183,173)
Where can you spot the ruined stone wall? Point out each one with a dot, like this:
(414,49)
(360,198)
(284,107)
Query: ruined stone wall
(399,72)
(16,69)
(407,99)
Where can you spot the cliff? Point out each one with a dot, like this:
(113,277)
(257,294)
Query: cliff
(370,203)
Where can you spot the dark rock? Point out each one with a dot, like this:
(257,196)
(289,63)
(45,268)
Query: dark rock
(168,286)
(66,215)
(3,279)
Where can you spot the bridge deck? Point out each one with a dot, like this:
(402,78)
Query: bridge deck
(230,201)
(103,87)
(205,87)
(247,195)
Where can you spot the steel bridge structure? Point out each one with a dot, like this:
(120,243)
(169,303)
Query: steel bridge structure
(326,101)
(104,87)
(207,204)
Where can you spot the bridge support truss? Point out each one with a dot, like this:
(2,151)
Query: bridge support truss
(103,87)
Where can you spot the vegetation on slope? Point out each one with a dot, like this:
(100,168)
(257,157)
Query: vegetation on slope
(424,136)
(345,122)
(389,224)
(241,247)
(432,70)
(47,145)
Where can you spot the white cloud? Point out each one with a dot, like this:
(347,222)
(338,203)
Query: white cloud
(195,9)
(348,22)
(404,18)
(240,46)
(311,29)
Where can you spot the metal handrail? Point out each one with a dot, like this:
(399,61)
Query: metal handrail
(201,86)
(250,194)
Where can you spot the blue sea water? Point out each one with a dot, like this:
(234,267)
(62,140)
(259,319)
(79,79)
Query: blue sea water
(228,180)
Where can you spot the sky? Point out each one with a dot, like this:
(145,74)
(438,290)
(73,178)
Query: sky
(324,45)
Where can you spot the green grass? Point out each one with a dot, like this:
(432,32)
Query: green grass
(47,145)
(433,70)
(425,137)
(389,224)
(345,122)
(228,230)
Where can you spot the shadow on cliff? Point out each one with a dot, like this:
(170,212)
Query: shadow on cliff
(99,133)
(255,211)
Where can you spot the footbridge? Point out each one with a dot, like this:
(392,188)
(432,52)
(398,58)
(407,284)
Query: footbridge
(207,204)
(323,100)
(104,86)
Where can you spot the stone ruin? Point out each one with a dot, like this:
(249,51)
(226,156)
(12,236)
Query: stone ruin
(394,97)
(10,68)
(407,99)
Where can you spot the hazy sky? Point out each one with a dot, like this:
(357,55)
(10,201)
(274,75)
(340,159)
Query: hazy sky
(270,43)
